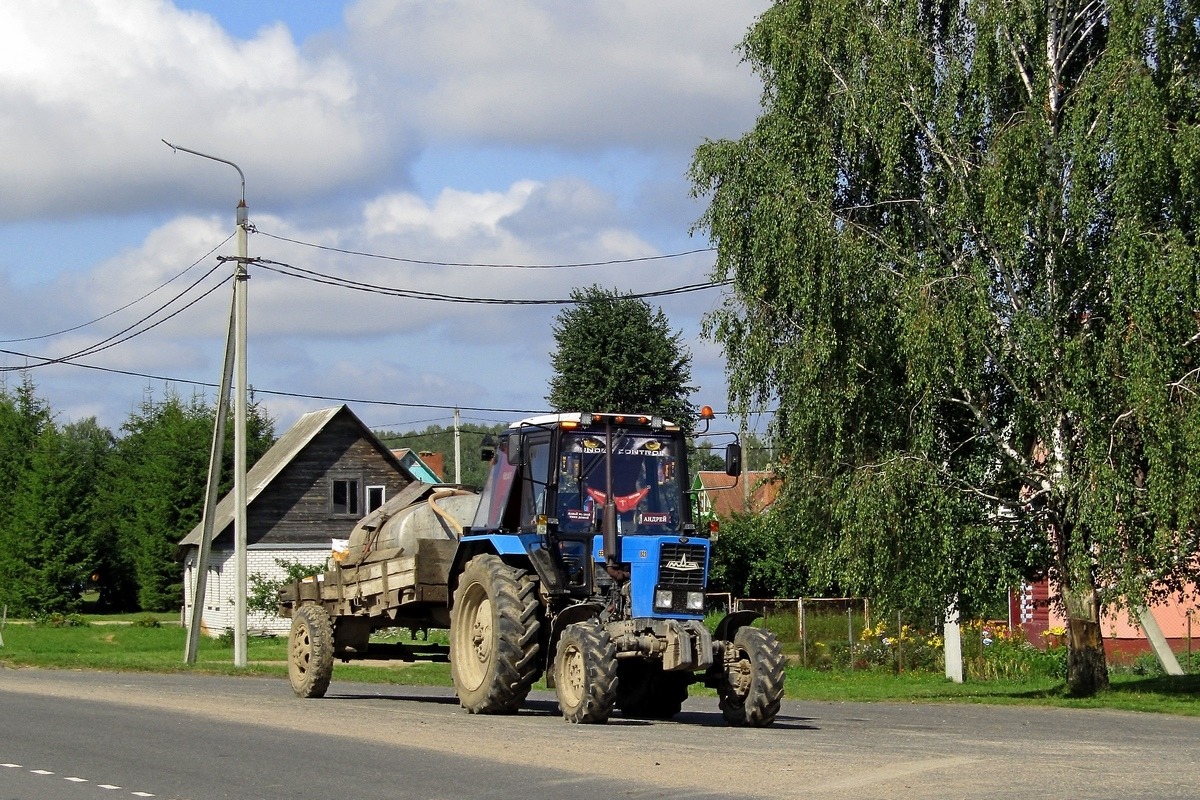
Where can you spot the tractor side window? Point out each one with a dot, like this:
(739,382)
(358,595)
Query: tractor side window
(533,490)
(496,491)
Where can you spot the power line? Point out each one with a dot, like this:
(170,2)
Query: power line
(273,392)
(389,425)
(113,341)
(313,276)
(430,263)
(122,308)
(278,393)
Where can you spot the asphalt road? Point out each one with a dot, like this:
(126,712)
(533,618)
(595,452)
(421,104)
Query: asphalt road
(92,735)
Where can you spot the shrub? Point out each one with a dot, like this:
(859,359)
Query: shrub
(907,649)
(992,651)
(58,620)
(264,592)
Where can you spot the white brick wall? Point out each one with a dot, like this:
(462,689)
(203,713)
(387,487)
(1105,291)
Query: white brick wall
(219,592)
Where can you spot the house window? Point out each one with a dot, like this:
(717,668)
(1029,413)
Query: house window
(375,497)
(345,498)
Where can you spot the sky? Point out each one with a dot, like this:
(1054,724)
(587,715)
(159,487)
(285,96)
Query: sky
(384,142)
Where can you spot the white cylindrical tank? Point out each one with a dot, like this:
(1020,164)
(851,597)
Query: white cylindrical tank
(391,531)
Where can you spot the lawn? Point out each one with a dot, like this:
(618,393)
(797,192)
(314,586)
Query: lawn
(155,643)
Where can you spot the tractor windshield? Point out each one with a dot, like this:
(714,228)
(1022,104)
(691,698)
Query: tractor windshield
(645,482)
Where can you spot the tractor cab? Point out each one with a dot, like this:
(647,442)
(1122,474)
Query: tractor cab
(572,487)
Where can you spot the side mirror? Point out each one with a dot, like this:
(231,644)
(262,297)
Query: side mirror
(733,459)
(487,448)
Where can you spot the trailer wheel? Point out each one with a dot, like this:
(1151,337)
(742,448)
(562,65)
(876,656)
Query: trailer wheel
(752,686)
(644,691)
(310,651)
(494,636)
(585,673)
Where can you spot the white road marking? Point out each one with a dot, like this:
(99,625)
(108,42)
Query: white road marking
(73,779)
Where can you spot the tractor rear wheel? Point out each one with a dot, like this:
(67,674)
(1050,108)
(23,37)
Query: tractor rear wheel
(310,651)
(585,673)
(494,636)
(751,689)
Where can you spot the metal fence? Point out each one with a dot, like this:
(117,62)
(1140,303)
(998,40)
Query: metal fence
(826,629)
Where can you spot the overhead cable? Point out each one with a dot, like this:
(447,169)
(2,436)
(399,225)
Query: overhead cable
(168,281)
(431,263)
(113,341)
(331,398)
(313,276)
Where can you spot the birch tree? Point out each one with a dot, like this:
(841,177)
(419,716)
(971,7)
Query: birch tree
(963,243)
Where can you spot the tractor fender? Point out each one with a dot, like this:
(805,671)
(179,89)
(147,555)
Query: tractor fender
(729,624)
(468,549)
(519,551)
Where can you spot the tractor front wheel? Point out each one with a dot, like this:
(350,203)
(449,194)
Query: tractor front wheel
(310,651)
(585,673)
(751,689)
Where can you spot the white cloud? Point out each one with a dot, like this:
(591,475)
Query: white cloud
(620,91)
(452,215)
(90,87)
(314,338)
(587,74)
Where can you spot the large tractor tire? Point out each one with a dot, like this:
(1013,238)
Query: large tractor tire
(585,673)
(494,636)
(752,687)
(310,651)
(644,691)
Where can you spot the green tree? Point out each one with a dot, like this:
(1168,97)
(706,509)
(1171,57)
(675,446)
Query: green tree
(616,353)
(963,245)
(24,420)
(53,516)
(155,495)
(756,556)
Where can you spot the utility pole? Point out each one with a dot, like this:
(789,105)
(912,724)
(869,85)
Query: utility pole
(210,497)
(457,448)
(238,335)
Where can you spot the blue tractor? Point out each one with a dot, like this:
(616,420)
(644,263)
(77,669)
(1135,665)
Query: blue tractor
(584,563)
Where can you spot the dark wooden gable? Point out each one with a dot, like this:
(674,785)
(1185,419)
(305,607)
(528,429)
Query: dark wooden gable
(297,505)
(290,489)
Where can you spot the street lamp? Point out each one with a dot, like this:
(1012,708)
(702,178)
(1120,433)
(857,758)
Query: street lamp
(237,337)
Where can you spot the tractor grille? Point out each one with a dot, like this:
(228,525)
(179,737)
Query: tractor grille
(681,566)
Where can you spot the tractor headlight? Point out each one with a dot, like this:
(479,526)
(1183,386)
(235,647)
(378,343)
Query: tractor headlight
(662,598)
(695,601)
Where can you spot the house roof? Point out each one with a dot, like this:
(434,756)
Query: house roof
(416,465)
(282,453)
(727,495)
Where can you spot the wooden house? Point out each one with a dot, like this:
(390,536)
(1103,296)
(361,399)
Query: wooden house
(314,484)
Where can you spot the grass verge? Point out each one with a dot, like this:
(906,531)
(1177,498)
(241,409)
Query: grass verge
(150,644)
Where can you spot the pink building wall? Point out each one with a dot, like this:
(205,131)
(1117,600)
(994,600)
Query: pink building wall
(1179,619)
